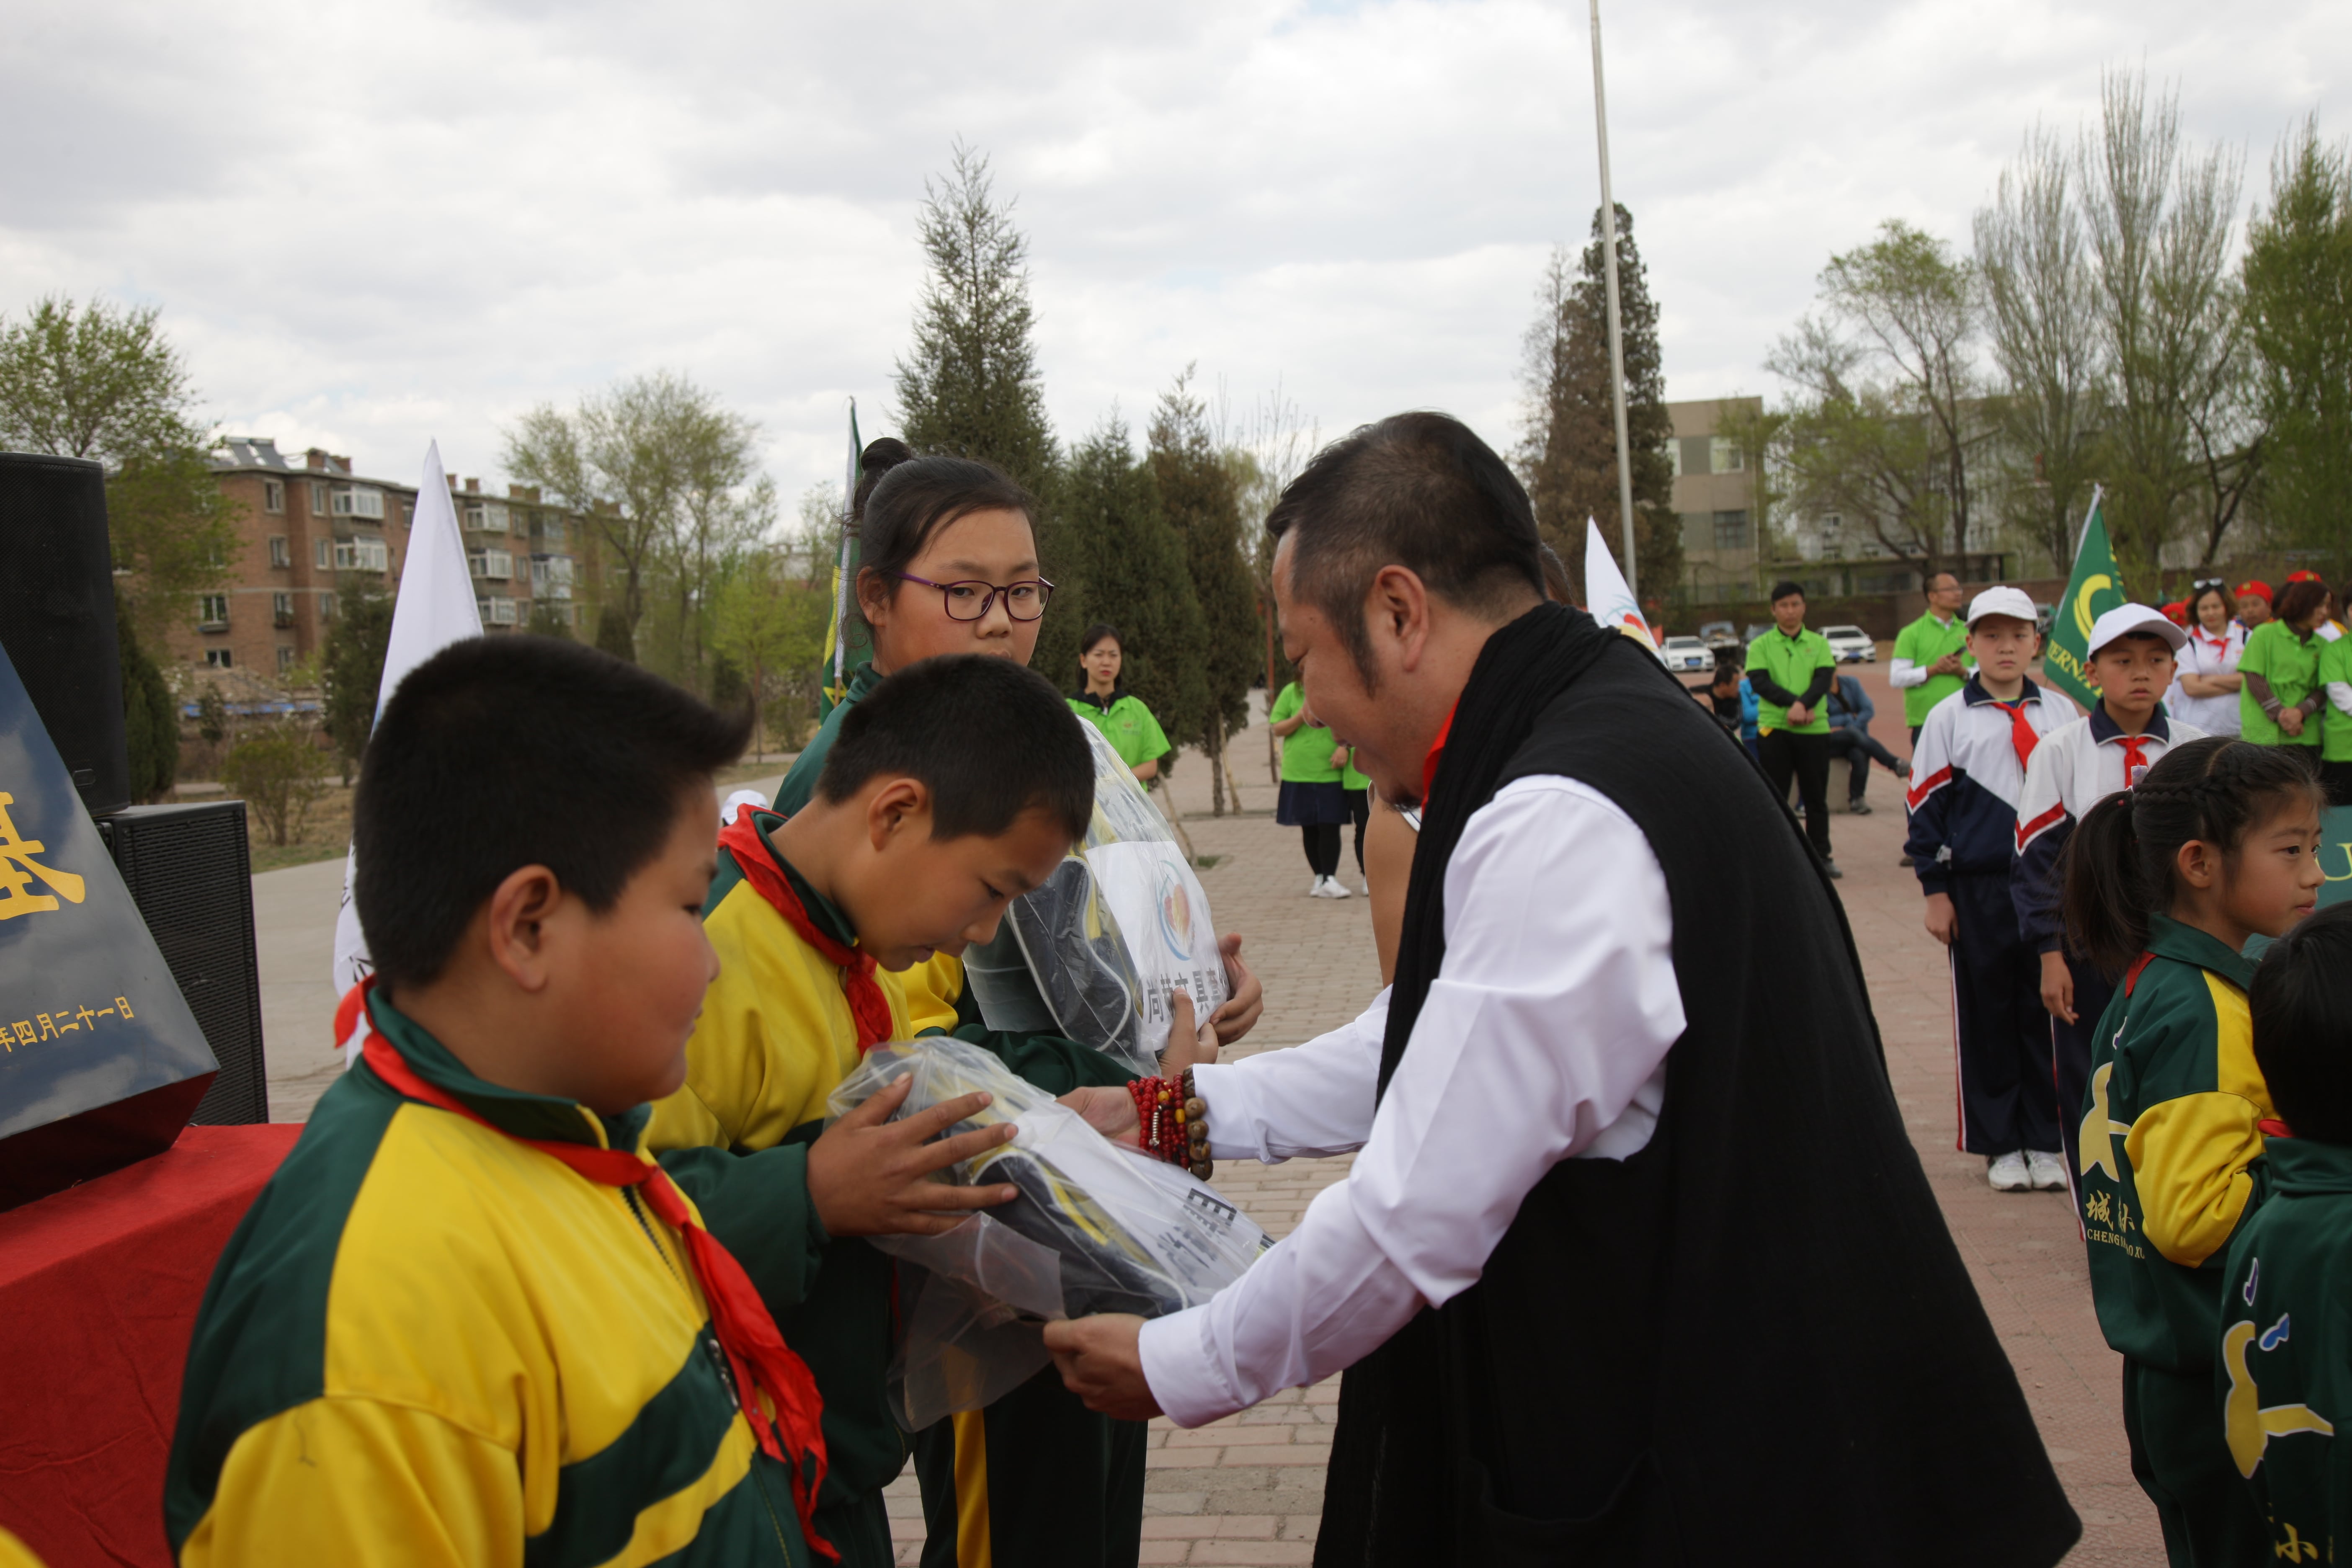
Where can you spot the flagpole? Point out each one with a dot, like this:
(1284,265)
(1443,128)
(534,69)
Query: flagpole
(841,583)
(1616,326)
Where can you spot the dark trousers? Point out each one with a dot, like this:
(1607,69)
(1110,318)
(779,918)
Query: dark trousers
(1806,758)
(2172,1421)
(1859,749)
(2009,1099)
(2070,1053)
(1322,848)
(1359,811)
(1915,735)
(1035,1478)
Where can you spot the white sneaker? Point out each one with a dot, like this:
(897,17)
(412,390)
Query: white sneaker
(2048,1170)
(1315,888)
(2008,1173)
(1335,888)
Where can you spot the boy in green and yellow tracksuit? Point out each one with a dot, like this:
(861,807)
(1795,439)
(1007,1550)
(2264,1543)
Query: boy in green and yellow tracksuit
(2285,1347)
(921,829)
(468,1321)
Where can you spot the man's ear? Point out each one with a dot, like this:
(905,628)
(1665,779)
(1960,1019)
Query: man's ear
(517,916)
(1396,609)
(900,805)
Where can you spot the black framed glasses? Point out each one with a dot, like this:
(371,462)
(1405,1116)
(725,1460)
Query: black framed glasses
(972,601)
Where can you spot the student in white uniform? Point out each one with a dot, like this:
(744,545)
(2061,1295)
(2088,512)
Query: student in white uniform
(2206,681)
(1636,1260)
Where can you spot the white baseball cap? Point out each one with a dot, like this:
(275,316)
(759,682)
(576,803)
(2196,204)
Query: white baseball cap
(2001,601)
(2124,620)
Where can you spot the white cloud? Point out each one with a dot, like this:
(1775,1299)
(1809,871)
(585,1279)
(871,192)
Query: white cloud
(371,226)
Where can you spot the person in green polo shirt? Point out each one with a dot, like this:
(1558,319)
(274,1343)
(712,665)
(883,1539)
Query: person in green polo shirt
(1791,668)
(1931,654)
(2279,703)
(1123,718)
(2336,720)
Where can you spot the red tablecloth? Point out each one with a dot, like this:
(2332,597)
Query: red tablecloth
(99,1288)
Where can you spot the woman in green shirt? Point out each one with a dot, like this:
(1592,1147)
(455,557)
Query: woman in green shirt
(1123,720)
(2279,701)
(1312,799)
(2336,716)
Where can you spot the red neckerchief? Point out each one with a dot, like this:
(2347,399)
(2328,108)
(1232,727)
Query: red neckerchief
(2135,758)
(2272,1127)
(1436,750)
(761,1360)
(2023,736)
(869,1009)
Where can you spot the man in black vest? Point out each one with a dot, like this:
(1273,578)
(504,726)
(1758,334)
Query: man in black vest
(1636,1263)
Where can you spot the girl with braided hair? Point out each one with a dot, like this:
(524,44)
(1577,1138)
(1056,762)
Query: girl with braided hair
(2165,883)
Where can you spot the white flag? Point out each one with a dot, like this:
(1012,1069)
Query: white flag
(1605,594)
(436,608)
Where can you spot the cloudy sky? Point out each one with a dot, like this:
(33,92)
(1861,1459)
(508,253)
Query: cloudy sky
(369,226)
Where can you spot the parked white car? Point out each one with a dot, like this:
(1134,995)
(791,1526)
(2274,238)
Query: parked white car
(1851,644)
(1685,653)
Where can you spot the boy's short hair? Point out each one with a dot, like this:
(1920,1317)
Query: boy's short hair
(1787,588)
(989,738)
(2301,1001)
(504,752)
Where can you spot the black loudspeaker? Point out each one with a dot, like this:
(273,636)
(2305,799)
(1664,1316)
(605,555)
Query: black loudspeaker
(189,873)
(56,617)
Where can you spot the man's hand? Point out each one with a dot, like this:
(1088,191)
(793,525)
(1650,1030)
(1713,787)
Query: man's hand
(868,1176)
(1189,1045)
(2291,720)
(1101,1361)
(1800,714)
(1108,1109)
(1950,664)
(2057,987)
(1942,918)
(1246,997)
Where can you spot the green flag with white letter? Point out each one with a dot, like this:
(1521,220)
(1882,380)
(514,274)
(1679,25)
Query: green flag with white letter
(840,659)
(2095,588)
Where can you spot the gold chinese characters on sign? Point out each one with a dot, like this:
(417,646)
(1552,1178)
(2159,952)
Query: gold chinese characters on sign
(20,867)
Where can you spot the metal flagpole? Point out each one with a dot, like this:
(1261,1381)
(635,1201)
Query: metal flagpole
(1616,326)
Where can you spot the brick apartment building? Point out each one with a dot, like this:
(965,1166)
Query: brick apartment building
(311,531)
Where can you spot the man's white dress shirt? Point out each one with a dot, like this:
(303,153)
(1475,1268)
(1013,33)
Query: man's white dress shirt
(1544,1038)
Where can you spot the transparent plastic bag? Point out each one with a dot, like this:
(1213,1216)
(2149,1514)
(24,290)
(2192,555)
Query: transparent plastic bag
(1099,1227)
(1093,954)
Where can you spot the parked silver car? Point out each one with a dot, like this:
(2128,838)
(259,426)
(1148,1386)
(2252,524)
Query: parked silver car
(1851,644)
(1685,653)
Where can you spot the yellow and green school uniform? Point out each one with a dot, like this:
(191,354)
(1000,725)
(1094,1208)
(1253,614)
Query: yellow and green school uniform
(2291,664)
(428,1342)
(2286,1353)
(777,1034)
(2170,1152)
(1126,723)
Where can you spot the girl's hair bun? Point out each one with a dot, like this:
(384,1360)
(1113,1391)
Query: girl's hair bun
(880,456)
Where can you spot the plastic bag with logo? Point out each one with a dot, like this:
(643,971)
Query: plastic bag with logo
(1093,954)
(1099,1227)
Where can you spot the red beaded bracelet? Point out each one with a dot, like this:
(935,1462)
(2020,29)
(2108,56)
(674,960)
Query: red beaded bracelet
(1171,1122)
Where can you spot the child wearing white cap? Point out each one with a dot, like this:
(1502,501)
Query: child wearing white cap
(2130,659)
(1968,775)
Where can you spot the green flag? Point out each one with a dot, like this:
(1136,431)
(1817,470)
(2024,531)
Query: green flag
(840,659)
(2095,588)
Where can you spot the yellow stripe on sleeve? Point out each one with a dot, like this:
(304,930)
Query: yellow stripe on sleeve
(2190,1154)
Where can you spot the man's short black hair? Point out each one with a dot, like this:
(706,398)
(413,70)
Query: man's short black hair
(1416,490)
(1785,587)
(987,737)
(2301,1001)
(504,752)
(1930,586)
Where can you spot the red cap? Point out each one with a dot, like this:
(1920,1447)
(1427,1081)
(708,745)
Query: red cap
(2177,612)
(2305,575)
(2254,585)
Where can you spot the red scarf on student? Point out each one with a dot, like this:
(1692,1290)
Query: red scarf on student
(756,1352)
(2023,736)
(869,1007)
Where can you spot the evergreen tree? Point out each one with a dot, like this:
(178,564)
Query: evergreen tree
(613,636)
(150,719)
(972,386)
(350,667)
(1203,503)
(1568,456)
(2298,282)
(1114,558)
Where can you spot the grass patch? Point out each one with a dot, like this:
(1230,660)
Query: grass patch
(1206,862)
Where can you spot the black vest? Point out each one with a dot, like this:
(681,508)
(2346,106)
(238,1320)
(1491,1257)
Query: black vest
(1754,1341)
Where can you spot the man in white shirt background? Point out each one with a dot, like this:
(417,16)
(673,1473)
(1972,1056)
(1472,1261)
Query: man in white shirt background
(1635,1256)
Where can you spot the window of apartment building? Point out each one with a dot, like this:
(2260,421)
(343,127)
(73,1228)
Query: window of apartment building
(212,611)
(285,659)
(216,659)
(273,495)
(361,554)
(487,517)
(322,498)
(323,555)
(326,607)
(1731,530)
(1693,456)
(367,504)
(497,612)
(553,530)
(493,565)
(281,608)
(282,553)
(550,576)
(1674,456)
(1724,455)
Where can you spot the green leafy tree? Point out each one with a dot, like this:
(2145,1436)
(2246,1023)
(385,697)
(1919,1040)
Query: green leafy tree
(212,716)
(550,618)
(1568,456)
(770,622)
(972,386)
(1202,502)
(613,633)
(350,667)
(279,774)
(615,460)
(2298,292)
(1115,558)
(105,383)
(151,719)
